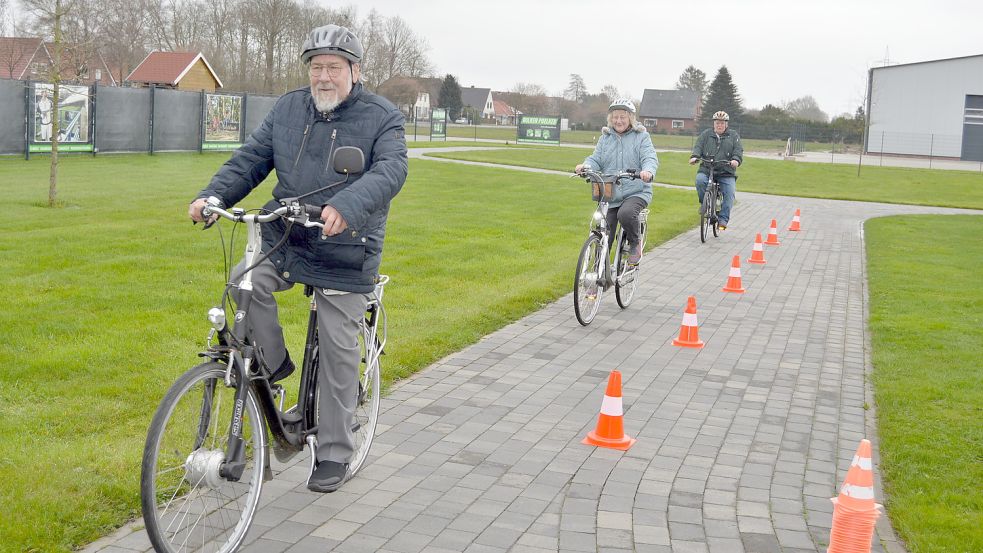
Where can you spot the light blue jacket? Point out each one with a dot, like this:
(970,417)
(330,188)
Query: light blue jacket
(632,150)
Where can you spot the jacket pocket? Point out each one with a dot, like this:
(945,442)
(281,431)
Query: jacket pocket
(343,252)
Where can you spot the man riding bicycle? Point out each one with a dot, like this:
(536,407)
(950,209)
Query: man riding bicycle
(297,138)
(719,144)
(625,144)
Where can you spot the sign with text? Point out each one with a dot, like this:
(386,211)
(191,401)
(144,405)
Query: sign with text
(438,124)
(538,129)
(74,127)
(222,121)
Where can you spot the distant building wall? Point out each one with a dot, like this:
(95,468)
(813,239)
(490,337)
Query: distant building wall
(920,108)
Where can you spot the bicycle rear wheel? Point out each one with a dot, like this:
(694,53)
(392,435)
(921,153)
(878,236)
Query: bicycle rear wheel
(705,214)
(624,284)
(587,285)
(186,504)
(366,413)
(715,209)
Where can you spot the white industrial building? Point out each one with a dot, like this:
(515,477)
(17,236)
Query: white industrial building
(929,108)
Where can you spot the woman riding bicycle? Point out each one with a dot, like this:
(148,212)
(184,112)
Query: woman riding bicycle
(625,144)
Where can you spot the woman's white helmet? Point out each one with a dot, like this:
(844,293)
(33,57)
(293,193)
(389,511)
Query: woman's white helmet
(721,116)
(622,103)
(332,39)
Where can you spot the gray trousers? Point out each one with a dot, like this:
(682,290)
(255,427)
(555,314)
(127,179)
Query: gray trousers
(338,320)
(627,215)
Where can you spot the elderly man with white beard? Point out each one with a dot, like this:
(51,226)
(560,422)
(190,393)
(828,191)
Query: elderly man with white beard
(298,138)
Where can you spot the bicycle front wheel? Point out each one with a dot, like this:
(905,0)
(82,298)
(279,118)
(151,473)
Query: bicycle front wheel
(587,285)
(187,505)
(715,209)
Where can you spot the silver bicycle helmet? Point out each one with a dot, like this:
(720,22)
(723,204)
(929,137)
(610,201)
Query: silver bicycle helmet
(622,103)
(721,116)
(332,39)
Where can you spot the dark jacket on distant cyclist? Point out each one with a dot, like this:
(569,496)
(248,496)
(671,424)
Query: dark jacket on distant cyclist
(297,141)
(632,150)
(721,148)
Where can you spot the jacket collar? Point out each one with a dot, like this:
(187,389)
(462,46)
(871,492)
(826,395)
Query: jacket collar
(637,128)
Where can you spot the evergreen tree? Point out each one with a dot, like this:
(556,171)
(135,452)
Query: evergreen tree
(693,79)
(450,97)
(577,89)
(722,95)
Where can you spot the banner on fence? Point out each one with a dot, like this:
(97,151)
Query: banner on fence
(222,122)
(538,129)
(74,123)
(438,124)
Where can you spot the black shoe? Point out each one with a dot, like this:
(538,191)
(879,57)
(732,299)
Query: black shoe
(286,369)
(327,477)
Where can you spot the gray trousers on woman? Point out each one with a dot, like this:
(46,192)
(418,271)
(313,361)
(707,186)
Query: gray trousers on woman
(627,215)
(338,319)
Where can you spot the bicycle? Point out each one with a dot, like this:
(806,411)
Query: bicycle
(710,208)
(594,266)
(206,455)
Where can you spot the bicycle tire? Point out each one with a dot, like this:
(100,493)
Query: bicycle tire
(625,283)
(587,285)
(179,480)
(715,219)
(367,402)
(705,219)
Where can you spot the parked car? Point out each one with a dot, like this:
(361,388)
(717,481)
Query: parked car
(461,120)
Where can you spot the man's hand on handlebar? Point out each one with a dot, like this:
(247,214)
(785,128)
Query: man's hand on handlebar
(733,163)
(645,176)
(194,211)
(334,223)
(693,160)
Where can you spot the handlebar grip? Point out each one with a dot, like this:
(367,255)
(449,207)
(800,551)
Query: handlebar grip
(313,211)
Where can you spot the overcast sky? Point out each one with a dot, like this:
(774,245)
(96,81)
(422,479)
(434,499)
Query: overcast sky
(775,50)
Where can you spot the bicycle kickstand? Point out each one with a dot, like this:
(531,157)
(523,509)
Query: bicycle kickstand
(312,445)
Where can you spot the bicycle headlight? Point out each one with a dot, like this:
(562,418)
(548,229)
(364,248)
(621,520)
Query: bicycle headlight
(216,316)
(598,218)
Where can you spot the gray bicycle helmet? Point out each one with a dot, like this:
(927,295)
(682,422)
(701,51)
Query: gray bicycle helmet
(332,39)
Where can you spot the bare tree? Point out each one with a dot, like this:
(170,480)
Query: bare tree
(177,25)
(272,24)
(124,34)
(49,14)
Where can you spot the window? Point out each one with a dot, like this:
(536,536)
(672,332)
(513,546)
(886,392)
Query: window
(677,124)
(651,123)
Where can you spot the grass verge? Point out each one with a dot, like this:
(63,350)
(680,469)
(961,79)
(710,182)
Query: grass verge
(105,302)
(926,320)
(812,180)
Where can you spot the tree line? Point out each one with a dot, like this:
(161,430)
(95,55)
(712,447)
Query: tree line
(253,45)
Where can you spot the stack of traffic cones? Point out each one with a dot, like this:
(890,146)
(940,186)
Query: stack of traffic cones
(610,431)
(795,222)
(854,511)
(758,253)
(734,278)
(689,332)
(773,234)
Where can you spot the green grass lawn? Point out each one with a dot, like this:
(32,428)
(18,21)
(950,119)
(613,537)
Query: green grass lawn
(812,180)
(105,302)
(926,317)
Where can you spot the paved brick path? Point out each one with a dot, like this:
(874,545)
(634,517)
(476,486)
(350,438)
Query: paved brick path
(740,444)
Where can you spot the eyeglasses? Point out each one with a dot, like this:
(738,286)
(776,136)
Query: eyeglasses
(333,70)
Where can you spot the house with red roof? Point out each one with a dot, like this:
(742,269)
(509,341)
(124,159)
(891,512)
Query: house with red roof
(178,70)
(504,113)
(32,59)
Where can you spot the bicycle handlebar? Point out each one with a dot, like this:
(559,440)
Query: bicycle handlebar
(597,175)
(294,212)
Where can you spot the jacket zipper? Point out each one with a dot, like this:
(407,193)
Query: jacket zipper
(334,134)
(303,144)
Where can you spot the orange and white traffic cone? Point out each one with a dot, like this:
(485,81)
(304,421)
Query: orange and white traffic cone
(854,511)
(773,234)
(734,278)
(610,430)
(758,253)
(795,222)
(689,334)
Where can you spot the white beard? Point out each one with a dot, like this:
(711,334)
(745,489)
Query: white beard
(323,103)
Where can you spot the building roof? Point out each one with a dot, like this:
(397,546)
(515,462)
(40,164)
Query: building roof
(503,109)
(678,104)
(475,97)
(169,68)
(923,62)
(18,54)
